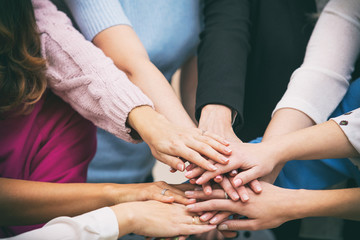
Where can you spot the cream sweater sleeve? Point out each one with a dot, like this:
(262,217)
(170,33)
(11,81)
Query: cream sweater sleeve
(318,86)
(83,76)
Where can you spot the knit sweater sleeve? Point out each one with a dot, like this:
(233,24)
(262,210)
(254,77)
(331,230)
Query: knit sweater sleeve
(94,16)
(318,86)
(83,76)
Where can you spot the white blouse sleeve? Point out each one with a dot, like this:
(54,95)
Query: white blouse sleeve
(318,86)
(100,224)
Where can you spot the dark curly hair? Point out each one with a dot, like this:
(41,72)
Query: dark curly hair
(22,77)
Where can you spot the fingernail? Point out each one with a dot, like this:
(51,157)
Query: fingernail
(226,142)
(235,196)
(203,218)
(190,206)
(199,180)
(234,172)
(207,191)
(213,220)
(180,167)
(222,227)
(192,181)
(225,159)
(189,193)
(198,188)
(237,182)
(228,150)
(191,200)
(187,174)
(245,197)
(258,188)
(212,167)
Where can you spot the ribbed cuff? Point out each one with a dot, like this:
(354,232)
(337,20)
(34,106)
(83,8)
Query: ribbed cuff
(94,16)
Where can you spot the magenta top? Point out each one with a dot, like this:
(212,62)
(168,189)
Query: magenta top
(51,144)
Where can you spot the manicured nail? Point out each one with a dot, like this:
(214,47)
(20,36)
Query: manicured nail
(222,227)
(225,159)
(199,180)
(227,150)
(208,191)
(218,178)
(192,181)
(187,174)
(190,206)
(234,172)
(191,200)
(212,167)
(258,188)
(226,142)
(189,193)
(172,170)
(245,197)
(213,220)
(235,196)
(237,182)
(181,167)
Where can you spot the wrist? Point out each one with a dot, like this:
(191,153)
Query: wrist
(125,218)
(217,119)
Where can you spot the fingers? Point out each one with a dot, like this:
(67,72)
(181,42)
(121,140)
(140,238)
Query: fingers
(195,172)
(243,224)
(246,176)
(230,234)
(216,137)
(219,217)
(216,194)
(229,189)
(213,205)
(194,157)
(205,148)
(244,196)
(207,188)
(255,186)
(221,148)
(173,162)
(207,216)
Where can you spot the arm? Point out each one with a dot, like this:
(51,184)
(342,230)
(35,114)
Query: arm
(318,86)
(143,218)
(28,202)
(222,61)
(81,74)
(105,24)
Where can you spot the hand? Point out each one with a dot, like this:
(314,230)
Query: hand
(169,143)
(252,160)
(269,209)
(144,218)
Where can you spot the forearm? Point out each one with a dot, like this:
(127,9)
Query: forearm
(30,202)
(325,140)
(122,45)
(342,203)
(287,120)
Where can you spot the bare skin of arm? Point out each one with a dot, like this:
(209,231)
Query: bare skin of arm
(122,45)
(30,202)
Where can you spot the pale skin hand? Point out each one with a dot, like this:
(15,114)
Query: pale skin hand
(168,141)
(217,119)
(284,120)
(275,205)
(144,218)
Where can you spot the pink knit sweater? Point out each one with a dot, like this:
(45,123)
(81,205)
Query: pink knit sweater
(83,76)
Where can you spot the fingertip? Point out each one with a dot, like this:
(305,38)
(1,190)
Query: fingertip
(237,182)
(180,166)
